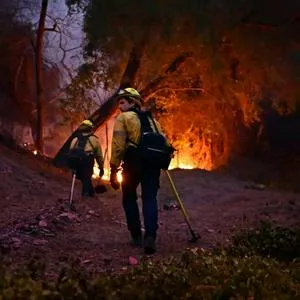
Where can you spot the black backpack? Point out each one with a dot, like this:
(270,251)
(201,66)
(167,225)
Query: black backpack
(153,148)
(77,157)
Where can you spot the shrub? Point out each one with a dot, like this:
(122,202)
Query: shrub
(198,274)
(268,240)
(238,272)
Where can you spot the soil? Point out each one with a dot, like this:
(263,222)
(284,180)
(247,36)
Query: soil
(35,219)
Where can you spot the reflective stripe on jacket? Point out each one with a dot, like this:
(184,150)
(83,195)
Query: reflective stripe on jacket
(92,145)
(127,128)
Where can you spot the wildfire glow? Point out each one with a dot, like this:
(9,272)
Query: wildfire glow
(97,170)
(185,162)
(106,174)
(119,177)
(181,166)
(182,160)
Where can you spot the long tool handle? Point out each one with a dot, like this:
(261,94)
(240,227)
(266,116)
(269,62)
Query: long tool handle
(178,198)
(72,188)
(194,235)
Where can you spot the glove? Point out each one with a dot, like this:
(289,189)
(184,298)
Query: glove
(113,178)
(101,172)
(172,150)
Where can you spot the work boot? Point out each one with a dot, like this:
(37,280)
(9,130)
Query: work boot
(149,245)
(136,238)
(136,241)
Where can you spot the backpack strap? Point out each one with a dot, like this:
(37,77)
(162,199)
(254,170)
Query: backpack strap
(153,122)
(93,148)
(145,124)
(83,140)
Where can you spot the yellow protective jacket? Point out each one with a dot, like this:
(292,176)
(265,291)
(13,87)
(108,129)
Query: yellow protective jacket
(127,128)
(92,146)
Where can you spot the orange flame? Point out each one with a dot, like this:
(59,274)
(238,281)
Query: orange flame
(106,173)
(184,163)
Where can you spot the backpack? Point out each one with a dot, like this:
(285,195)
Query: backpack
(153,148)
(77,157)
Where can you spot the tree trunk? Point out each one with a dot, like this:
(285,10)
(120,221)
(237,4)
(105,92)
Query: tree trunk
(104,112)
(40,101)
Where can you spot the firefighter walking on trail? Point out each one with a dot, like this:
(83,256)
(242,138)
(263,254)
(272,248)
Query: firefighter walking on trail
(84,149)
(131,130)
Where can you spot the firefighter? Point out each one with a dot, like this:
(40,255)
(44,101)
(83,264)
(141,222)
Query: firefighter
(126,135)
(91,150)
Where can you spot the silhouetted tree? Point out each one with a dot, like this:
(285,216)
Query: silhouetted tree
(209,63)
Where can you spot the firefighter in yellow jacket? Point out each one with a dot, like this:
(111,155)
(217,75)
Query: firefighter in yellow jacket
(126,135)
(91,150)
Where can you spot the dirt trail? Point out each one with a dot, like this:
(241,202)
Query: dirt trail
(34,219)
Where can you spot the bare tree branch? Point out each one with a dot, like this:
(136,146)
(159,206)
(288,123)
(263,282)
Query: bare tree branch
(174,90)
(52,29)
(64,53)
(19,69)
(173,67)
(109,107)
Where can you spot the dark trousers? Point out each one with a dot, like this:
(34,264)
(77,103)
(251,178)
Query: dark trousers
(149,180)
(84,173)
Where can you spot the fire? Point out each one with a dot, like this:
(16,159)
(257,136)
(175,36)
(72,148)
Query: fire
(96,171)
(182,162)
(186,163)
(30,148)
(181,166)
(119,177)
(106,173)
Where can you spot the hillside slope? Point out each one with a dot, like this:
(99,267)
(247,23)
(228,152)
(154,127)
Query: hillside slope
(35,219)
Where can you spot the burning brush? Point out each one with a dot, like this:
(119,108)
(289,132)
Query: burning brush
(101,188)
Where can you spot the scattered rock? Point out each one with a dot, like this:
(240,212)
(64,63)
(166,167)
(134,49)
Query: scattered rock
(86,261)
(16,242)
(40,242)
(93,213)
(50,234)
(69,216)
(43,223)
(171,206)
(132,261)
(255,186)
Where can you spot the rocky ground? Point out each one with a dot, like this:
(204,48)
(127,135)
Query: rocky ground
(35,220)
